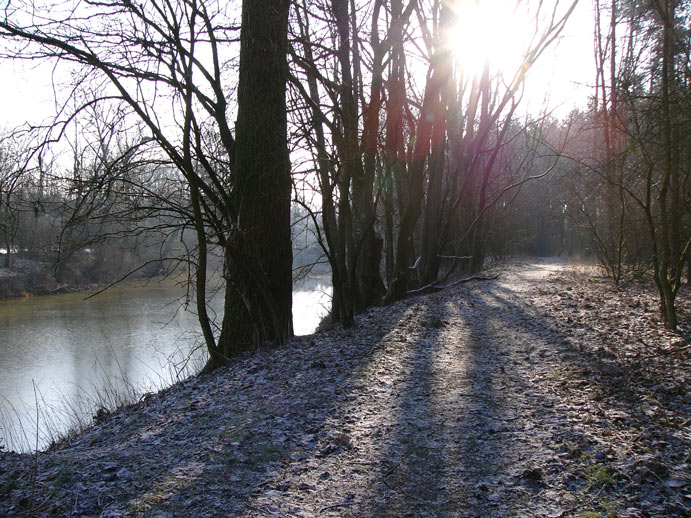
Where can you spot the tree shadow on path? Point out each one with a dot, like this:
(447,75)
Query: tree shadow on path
(446,452)
(429,408)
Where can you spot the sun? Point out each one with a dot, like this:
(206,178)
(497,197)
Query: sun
(496,33)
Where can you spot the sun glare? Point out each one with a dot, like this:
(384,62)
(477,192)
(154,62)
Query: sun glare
(495,32)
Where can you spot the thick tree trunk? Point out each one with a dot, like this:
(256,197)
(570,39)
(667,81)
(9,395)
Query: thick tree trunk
(258,296)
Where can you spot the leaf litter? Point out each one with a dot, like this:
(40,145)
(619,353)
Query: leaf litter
(544,393)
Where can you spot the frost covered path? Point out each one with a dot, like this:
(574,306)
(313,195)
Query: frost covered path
(506,398)
(440,419)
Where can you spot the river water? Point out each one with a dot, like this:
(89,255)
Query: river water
(62,357)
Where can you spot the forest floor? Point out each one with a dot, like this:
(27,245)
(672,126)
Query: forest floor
(544,393)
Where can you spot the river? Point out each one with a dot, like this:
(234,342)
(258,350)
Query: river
(62,357)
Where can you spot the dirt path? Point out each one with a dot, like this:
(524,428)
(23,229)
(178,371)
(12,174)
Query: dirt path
(437,422)
(481,400)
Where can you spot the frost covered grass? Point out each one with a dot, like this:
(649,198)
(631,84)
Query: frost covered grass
(47,423)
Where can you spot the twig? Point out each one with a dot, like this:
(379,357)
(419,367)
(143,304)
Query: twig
(683,345)
(468,279)
(579,506)
(395,466)
(126,276)
(35,477)
(433,286)
(335,506)
(417,263)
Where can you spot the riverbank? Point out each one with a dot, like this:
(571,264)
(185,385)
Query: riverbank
(545,392)
(31,277)
(27,278)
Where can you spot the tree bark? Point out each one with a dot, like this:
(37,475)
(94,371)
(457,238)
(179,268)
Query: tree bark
(258,296)
(667,260)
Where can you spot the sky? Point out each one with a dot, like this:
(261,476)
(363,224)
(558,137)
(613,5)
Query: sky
(562,75)
(26,93)
(501,31)
(566,72)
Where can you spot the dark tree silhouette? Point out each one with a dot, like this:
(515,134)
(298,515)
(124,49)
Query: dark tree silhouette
(166,63)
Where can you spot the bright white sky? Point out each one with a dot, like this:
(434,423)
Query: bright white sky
(562,75)
(25,93)
(499,32)
(565,73)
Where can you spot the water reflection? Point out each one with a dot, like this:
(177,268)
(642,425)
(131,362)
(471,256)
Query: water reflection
(65,352)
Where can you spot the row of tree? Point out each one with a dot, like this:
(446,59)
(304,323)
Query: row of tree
(632,183)
(407,165)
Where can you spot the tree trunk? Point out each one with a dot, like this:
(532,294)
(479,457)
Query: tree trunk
(667,260)
(258,296)
(8,257)
(432,225)
(415,191)
(433,207)
(372,288)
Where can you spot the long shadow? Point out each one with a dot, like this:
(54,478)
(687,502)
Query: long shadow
(598,367)
(411,471)
(584,371)
(484,457)
(483,445)
(163,453)
(444,453)
(279,419)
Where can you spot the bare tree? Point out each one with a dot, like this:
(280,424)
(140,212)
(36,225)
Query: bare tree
(11,182)
(167,64)
(640,110)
